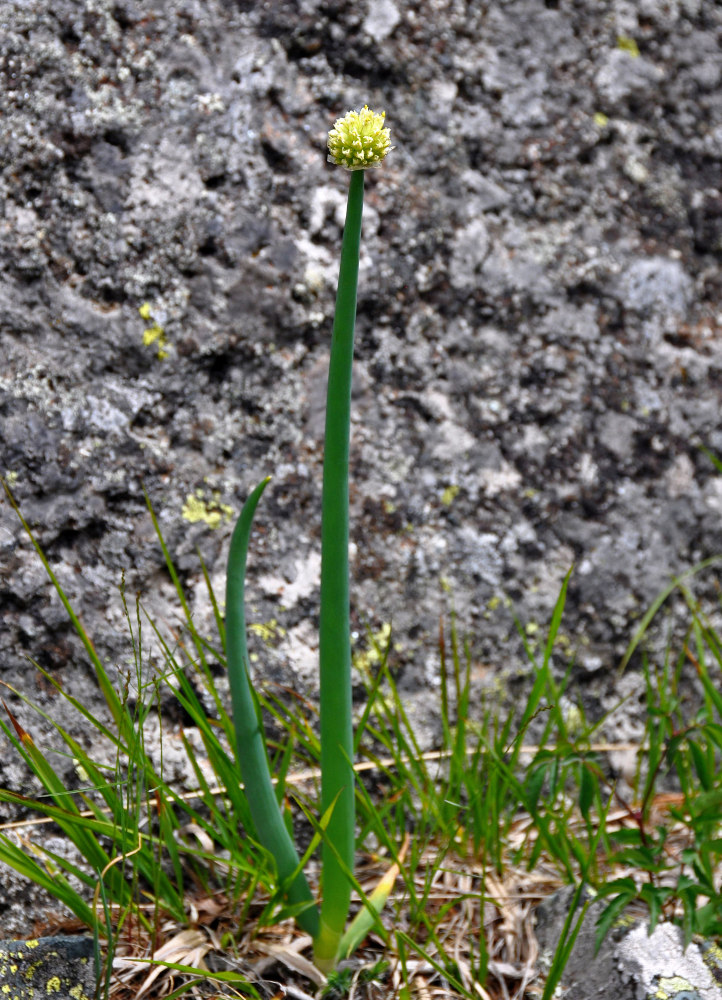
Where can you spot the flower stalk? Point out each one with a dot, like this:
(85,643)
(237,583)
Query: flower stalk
(334,630)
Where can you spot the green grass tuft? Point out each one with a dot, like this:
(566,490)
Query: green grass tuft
(462,832)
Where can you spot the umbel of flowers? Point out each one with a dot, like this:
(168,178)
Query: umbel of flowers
(359,140)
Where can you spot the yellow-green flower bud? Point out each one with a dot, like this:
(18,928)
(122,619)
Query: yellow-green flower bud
(359,140)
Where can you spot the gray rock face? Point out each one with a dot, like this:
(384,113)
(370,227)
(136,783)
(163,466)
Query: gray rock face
(631,964)
(58,967)
(538,340)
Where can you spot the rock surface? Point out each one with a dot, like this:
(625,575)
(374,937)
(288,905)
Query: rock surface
(538,340)
(631,964)
(57,967)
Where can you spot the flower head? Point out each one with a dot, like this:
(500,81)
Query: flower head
(359,140)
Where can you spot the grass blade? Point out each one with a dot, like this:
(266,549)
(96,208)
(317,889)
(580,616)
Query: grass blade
(250,743)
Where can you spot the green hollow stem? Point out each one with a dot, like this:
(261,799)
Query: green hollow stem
(250,741)
(337,780)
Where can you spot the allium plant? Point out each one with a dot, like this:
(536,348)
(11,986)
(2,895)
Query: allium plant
(358,141)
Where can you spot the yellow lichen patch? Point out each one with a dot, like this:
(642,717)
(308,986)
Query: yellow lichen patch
(267,631)
(627,44)
(498,601)
(712,957)
(155,333)
(363,661)
(713,949)
(53,985)
(78,993)
(449,495)
(31,969)
(669,986)
(211,511)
